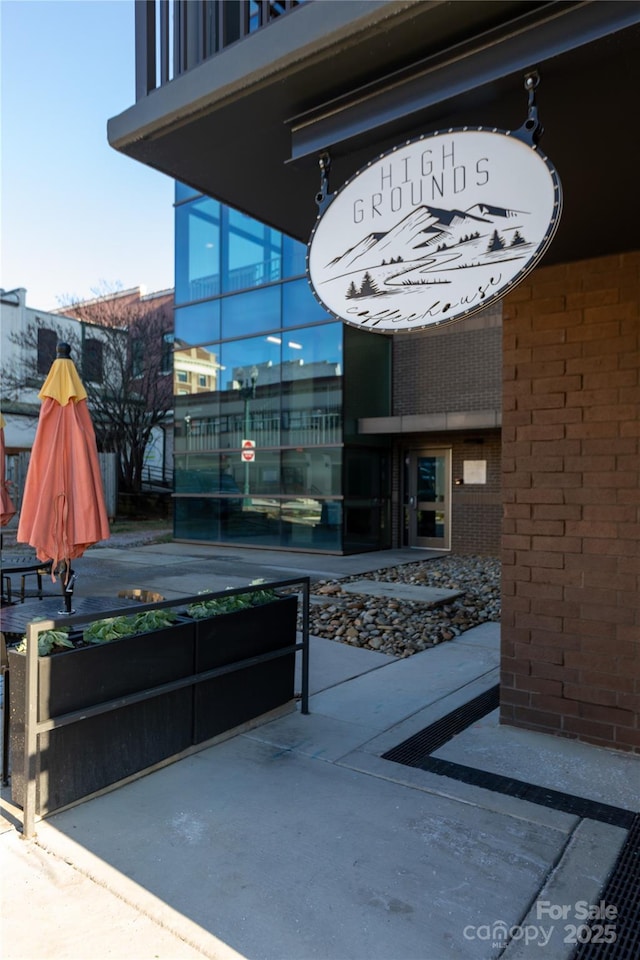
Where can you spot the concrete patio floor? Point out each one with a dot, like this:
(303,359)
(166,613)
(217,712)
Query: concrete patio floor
(296,840)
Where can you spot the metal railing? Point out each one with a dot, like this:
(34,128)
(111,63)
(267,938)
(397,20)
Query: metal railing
(34,727)
(156,475)
(254,274)
(312,430)
(173,36)
(240,278)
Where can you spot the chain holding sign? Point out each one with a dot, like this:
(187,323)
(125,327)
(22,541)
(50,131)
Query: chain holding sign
(436,229)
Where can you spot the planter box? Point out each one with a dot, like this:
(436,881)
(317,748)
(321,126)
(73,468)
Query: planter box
(234,698)
(83,757)
(78,759)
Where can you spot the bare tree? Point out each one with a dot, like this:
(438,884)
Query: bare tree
(121,345)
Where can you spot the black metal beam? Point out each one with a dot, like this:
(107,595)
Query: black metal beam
(145,29)
(527,42)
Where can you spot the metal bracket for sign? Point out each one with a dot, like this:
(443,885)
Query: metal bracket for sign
(323,197)
(531,130)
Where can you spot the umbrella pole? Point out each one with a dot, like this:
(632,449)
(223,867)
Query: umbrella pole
(67,592)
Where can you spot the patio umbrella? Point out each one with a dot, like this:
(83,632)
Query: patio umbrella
(7,509)
(63,510)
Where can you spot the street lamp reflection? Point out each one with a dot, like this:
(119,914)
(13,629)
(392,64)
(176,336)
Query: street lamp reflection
(247,390)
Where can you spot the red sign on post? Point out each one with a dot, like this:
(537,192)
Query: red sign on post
(248,451)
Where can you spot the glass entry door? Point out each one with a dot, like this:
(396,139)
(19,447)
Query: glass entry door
(428,496)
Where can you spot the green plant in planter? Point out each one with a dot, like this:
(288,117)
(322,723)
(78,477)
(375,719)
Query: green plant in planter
(49,641)
(202,609)
(115,628)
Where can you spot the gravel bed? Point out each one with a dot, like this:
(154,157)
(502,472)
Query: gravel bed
(401,628)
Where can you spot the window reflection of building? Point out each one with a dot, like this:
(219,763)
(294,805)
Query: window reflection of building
(258,359)
(251,255)
(195,370)
(310,416)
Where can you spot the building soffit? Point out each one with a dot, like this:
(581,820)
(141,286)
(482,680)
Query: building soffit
(317,32)
(247,126)
(498,53)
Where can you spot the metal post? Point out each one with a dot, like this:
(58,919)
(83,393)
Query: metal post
(164,42)
(145,33)
(31,726)
(245,396)
(304,701)
(247,392)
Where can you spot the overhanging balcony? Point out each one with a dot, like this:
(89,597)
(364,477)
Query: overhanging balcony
(243,112)
(172,38)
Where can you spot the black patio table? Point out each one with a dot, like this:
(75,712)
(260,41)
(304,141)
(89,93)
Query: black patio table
(22,566)
(14,619)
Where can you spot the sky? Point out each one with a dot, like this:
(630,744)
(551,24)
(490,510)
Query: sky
(76,217)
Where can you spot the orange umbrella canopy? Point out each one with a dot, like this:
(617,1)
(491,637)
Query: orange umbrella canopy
(7,509)
(63,510)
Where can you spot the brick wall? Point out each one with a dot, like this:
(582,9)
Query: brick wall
(449,368)
(476,510)
(571,489)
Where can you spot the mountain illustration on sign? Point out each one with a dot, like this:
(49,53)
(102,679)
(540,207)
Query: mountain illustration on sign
(426,244)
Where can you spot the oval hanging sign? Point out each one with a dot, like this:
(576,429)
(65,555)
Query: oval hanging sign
(434,230)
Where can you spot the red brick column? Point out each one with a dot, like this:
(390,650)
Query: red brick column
(571,490)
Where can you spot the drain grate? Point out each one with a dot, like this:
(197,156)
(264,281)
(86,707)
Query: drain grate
(416,752)
(622,891)
(545,797)
(623,888)
(412,752)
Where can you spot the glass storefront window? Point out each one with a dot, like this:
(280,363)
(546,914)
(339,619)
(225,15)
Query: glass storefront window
(196,370)
(226,520)
(197,250)
(250,392)
(294,257)
(199,323)
(250,312)
(312,472)
(299,306)
(196,423)
(259,478)
(312,386)
(317,348)
(261,360)
(196,518)
(240,356)
(252,253)
(203,473)
(260,521)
